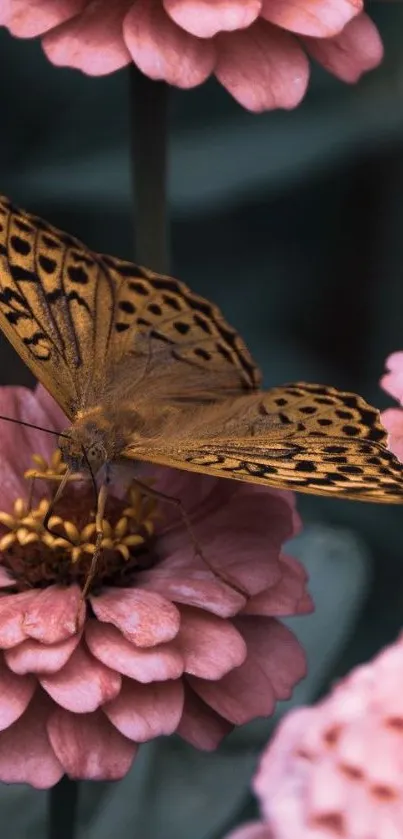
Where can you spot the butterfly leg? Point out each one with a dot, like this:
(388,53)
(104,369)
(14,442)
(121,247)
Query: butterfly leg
(99,534)
(34,477)
(171,499)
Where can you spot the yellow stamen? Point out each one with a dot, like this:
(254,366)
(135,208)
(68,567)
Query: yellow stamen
(7,540)
(49,551)
(72,531)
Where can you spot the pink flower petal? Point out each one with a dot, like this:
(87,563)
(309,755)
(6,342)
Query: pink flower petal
(18,443)
(164,51)
(320,18)
(83,684)
(254,830)
(356,50)
(145,665)
(89,747)
(25,21)
(53,615)
(33,657)
(142,712)
(275,662)
(210,646)
(12,612)
(191,585)
(204,18)
(251,522)
(144,618)
(275,649)
(200,496)
(15,695)
(92,41)
(262,67)
(200,725)
(6,580)
(284,598)
(26,756)
(392,381)
(392,419)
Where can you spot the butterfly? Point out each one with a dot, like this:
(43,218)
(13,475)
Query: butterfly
(146,370)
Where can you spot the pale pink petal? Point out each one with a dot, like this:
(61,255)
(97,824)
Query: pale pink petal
(15,695)
(262,67)
(145,665)
(254,830)
(274,664)
(26,20)
(305,605)
(392,381)
(144,618)
(56,613)
(250,522)
(232,697)
(12,612)
(92,41)
(210,645)
(320,18)
(33,657)
(200,725)
(356,50)
(287,597)
(6,580)
(89,747)
(276,650)
(392,420)
(142,712)
(17,442)
(83,684)
(26,755)
(204,18)
(164,51)
(192,585)
(200,496)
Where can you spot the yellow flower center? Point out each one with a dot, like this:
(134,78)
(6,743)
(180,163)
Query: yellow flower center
(38,556)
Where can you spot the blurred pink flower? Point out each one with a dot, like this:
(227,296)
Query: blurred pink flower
(256,48)
(164,644)
(392,418)
(336,770)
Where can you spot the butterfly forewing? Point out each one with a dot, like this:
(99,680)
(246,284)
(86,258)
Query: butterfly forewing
(99,331)
(87,324)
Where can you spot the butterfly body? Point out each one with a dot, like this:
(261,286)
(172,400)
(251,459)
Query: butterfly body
(145,370)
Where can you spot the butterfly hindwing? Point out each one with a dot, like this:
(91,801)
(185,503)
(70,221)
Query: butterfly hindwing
(287,448)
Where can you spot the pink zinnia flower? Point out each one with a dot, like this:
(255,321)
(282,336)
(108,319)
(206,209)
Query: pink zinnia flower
(162,643)
(336,770)
(256,48)
(392,418)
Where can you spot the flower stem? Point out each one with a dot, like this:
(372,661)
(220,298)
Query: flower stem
(62,809)
(149,145)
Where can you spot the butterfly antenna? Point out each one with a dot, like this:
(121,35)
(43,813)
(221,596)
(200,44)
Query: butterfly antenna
(31,425)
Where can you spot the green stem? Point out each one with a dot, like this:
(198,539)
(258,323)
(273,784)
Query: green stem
(62,809)
(149,146)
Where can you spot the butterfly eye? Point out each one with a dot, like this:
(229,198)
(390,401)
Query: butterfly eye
(96,455)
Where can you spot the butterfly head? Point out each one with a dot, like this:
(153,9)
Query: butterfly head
(83,450)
